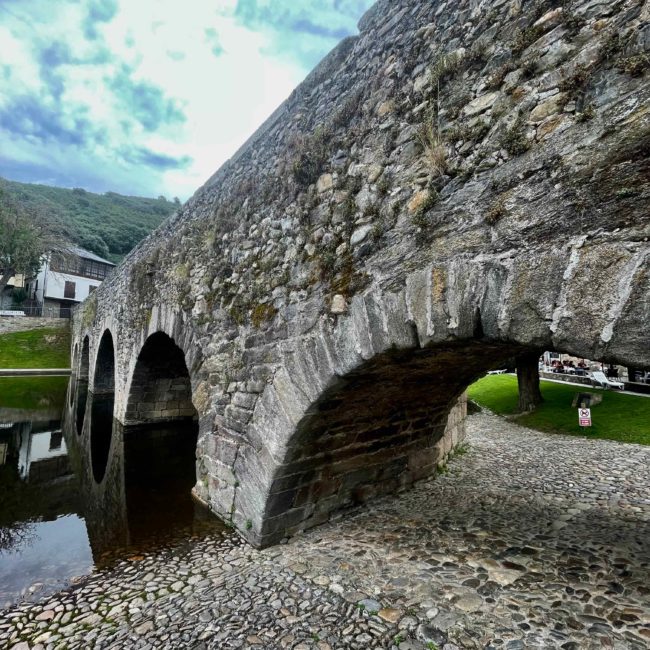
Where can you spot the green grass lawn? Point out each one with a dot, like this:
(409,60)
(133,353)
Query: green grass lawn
(32,393)
(40,348)
(618,417)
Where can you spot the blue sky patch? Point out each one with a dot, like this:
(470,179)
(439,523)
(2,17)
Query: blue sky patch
(148,97)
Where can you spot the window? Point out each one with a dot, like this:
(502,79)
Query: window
(56,437)
(65,263)
(70,289)
(95,270)
(74,265)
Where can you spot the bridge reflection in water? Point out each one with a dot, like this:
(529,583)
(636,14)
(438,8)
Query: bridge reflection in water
(57,524)
(144,499)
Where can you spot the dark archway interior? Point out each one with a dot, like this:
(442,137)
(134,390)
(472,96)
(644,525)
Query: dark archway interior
(160,437)
(105,366)
(81,388)
(73,379)
(102,404)
(375,431)
(160,389)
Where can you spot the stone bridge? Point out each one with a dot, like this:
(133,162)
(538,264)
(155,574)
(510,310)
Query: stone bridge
(464,182)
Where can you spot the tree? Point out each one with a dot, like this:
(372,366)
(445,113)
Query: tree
(24,239)
(530,396)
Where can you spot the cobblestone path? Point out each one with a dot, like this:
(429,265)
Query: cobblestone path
(527,540)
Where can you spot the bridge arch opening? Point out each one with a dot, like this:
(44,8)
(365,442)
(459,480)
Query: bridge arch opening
(376,431)
(103,402)
(160,434)
(73,379)
(80,391)
(161,390)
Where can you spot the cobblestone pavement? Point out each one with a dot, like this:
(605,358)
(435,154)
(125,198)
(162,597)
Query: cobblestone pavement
(527,540)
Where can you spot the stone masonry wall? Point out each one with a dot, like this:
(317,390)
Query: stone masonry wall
(161,399)
(160,389)
(463,171)
(9,324)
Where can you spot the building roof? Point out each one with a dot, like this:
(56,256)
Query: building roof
(87,255)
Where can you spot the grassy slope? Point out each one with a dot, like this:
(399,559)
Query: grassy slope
(107,224)
(618,417)
(40,348)
(32,393)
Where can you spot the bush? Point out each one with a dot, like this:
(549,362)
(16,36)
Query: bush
(497,210)
(514,139)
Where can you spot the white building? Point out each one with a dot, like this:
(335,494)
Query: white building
(66,279)
(38,450)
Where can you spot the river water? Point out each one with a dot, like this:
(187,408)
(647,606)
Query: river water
(56,525)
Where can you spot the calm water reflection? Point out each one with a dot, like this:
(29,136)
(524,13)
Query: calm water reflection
(56,523)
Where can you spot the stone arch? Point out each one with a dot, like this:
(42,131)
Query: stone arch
(160,428)
(374,431)
(104,376)
(160,389)
(73,378)
(80,392)
(357,406)
(102,407)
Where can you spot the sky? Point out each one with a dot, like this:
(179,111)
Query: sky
(149,97)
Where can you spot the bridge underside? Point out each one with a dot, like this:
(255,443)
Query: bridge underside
(375,432)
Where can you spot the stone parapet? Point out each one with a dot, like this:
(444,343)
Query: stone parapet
(9,324)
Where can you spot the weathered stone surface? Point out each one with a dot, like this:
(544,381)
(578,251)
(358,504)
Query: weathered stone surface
(516,220)
(411,570)
(480,104)
(9,324)
(339,304)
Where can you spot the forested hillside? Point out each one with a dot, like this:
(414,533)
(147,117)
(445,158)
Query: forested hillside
(107,224)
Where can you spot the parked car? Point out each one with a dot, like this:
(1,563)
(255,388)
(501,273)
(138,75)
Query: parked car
(642,377)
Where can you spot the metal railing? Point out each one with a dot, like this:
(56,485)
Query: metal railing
(39,311)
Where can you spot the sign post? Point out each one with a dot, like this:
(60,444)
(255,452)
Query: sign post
(584,417)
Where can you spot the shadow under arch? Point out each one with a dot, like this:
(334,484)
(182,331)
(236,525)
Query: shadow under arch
(80,388)
(374,431)
(160,390)
(102,405)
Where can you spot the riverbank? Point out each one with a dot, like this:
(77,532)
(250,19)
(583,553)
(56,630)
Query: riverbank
(40,348)
(35,372)
(526,540)
(33,393)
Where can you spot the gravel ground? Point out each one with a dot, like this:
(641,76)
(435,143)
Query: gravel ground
(526,540)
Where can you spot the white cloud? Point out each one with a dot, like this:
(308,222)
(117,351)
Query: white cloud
(112,103)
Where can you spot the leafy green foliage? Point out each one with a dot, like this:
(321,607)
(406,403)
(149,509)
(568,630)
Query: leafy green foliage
(23,240)
(107,224)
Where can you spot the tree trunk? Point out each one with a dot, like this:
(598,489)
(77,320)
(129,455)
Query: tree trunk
(530,396)
(4,278)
